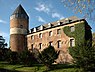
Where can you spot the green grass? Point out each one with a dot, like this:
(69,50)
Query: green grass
(36,68)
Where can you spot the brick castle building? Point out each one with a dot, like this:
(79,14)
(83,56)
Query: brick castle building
(61,34)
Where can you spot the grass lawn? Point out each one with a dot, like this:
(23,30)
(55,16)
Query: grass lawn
(35,68)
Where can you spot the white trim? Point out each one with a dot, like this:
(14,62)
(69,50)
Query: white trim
(18,31)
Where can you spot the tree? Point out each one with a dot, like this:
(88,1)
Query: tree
(84,56)
(86,7)
(48,56)
(2,42)
(93,38)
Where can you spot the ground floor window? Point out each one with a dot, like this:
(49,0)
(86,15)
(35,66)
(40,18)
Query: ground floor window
(50,43)
(40,45)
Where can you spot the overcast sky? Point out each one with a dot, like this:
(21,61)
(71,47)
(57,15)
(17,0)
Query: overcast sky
(39,11)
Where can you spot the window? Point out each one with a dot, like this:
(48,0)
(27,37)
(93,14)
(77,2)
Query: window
(41,27)
(49,24)
(50,43)
(72,42)
(50,33)
(58,31)
(40,35)
(40,45)
(32,37)
(34,29)
(32,46)
(59,44)
(72,28)
(21,26)
(58,22)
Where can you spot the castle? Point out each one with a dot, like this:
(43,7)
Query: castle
(61,34)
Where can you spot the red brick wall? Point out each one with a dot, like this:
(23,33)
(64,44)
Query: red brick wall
(17,42)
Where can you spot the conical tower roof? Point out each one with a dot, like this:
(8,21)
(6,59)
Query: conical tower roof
(19,10)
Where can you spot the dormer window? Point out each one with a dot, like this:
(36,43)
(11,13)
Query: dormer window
(34,30)
(58,22)
(41,27)
(49,24)
(68,20)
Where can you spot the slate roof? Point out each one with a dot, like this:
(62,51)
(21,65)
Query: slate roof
(19,10)
(55,24)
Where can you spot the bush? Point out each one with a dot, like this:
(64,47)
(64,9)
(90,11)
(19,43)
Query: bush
(84,56)
(48,56)
(27,58)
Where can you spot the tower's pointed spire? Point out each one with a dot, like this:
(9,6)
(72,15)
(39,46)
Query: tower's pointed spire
(19,10)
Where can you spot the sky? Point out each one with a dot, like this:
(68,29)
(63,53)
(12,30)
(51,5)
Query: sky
(39,12)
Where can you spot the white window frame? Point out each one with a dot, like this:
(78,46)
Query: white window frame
(72,28)
(72,42)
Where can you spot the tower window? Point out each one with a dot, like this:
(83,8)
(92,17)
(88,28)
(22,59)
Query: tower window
(72,28)
(40,45)
(40,35)
(50,33)
(72,42)
(32,37)
(59,44)
(50,43)
(21,26)
(58,31)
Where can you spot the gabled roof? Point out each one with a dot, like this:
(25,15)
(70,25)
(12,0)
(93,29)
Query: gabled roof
(19,10)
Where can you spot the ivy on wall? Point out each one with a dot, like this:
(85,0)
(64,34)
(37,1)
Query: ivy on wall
(78,34)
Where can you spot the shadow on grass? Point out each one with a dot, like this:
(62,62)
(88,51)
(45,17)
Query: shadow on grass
(6,70)
(63,66)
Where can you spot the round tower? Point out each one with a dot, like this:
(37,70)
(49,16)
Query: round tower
(18,29)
